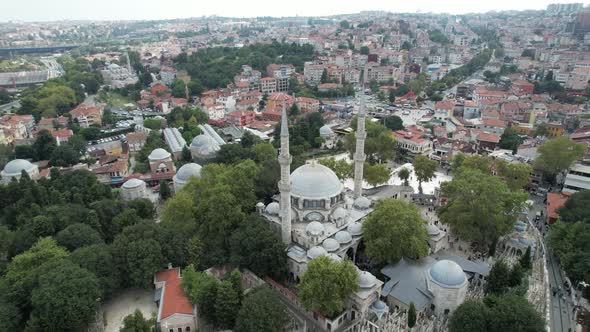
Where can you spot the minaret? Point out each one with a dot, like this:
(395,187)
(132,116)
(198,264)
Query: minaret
(359,154)
(285,182)
(128,62)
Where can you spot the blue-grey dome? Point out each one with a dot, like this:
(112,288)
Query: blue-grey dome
(273,208)
(326,131)
(16,166)
(205,145)
(366,279)
(362,203)
(315,181)
(187,170)
(133,183)
(331,245)
(314,252)
(355,229)
(432,230)
(343,237)
(314,228)
(447,274)
(159,154)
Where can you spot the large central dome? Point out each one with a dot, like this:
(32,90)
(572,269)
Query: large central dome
(315,181)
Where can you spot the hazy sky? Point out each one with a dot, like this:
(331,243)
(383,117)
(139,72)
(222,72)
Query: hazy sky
(45,10)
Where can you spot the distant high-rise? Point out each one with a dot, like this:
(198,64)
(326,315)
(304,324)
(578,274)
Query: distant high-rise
(564,8)
(582,23)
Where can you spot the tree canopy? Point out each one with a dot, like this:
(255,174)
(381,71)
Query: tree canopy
(326,284)
(394,230)
(424,169)
(558,154)
(261,311)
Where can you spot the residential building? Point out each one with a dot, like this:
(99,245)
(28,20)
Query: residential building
(136,141)
(412,142)
(578,178)
(240,118)
(87,115)
(268,85)
(175,313)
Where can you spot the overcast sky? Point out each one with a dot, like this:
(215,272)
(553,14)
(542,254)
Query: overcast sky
(47,10)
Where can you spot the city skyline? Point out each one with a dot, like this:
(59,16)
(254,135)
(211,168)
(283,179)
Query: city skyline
(37,10)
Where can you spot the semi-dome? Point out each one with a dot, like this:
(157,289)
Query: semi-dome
(355,229)
(379,305)
(315,181)
(314,228)
(187,170)
(326,131)
(331,245)
(16,166)
(339,214)
(362,203)
(343,237)
(273,208)
(432,230)
(159,154)
(447,273)
(316,251)
(132,183)
(366,279)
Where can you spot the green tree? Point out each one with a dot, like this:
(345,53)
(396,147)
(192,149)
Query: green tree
(576,208)
(66,297)
(326,284)
(480,207)
(470,316)
(261,311)
(179,212)
(153,123)
(195,252)
(255,247)
(164,190)
(78,235)
(395,230)
(510,139)
(499,278)
(558,154)
(137,323)
(525,260)
(324,78)
(44,145)
(393,122)
(10,315)
(341,167)
(513,313)
(404,175)
(516,275)
(516,175)
(365,50)
(345,24)
(391,96)
(571,243)
(424,169)
(412,315)
(98,259)
(375,174)
(227,305)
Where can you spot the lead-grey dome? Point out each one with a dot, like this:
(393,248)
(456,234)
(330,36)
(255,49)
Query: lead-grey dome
(339,214)
(205,145)
(314,228)
(273,208)
(432,230)
(16,166)
(315,181)
(159,154)
(366,279)
(187,170)
(355,229)
(326,131)
(343,237)
(316,251)
(447,273)
(362,203)
(133,183)
(330,245)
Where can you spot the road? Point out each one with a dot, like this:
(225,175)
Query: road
(561,308)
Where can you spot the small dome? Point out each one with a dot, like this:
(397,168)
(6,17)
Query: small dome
(331,245)
(335,257)
(314,228)
(362,203)
(205,145)
(316,251)
(187,170)
(339,214)
(343,237)
(526,241)
(315,181)
(259,205)
(355,229)
(133,183)
(366,279)
(201,140)
(432,230)
(16,166)
(326,131)
(447,273)
(159,154)
(379,305)
(273,208)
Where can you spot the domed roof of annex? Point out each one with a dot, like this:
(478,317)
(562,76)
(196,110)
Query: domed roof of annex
(330,245)
(205,144)
(315,181)
(187,170)
(316,251)
(273,208)
(432,230)
(159,154)
(326,131)
(16,166)
(447,273)
(132,183)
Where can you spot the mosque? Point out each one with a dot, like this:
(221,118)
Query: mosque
(315,215)
(14,168)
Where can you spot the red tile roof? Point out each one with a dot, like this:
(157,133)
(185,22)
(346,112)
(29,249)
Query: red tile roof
(554,202)
(488,137)
(494,123)
(174,301)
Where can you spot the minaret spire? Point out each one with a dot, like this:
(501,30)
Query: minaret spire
(285,182)
(359,154)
